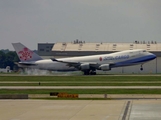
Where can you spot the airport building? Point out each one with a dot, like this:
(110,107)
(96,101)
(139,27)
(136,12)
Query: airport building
(45,49)
(81,48)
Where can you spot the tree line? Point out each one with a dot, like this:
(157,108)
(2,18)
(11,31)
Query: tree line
(8,59)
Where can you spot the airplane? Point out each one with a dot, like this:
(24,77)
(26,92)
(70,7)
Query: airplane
(87,64)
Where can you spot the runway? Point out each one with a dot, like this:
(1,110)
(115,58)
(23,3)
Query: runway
(80,109)
(61,110)
(80,87)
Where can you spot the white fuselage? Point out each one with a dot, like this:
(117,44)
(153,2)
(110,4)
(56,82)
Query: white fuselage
(118,59)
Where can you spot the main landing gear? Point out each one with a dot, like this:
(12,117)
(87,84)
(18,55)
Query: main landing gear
(89,72)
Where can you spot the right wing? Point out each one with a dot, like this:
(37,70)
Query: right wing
(70,64)
(77,65)
(87,65)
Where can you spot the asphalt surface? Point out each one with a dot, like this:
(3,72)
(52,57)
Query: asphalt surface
(80,109)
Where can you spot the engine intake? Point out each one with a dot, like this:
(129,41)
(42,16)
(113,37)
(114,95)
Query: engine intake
(84,66)
(105,67)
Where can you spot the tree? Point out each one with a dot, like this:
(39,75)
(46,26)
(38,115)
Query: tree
(2,59)
(11,58)
(8,59)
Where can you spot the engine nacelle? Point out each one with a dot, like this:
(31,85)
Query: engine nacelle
(85,66)
(105,67)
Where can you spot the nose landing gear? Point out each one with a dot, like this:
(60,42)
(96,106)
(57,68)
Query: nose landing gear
(141,67)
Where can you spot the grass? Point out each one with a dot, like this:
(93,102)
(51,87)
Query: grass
(80,84)
(81,81)
(83,91)
(80,78)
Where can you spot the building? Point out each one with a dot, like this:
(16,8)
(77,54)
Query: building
(78,48)
(45,49)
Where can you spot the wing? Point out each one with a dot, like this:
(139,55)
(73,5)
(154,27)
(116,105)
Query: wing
(77,64)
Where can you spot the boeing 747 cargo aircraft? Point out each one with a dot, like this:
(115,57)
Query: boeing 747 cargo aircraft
(87,64)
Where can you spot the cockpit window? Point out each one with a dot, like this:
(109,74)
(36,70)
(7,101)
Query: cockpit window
(144,50)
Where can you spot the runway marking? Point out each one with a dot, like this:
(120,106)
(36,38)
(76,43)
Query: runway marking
(126,110)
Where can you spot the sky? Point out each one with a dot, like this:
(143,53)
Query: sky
(49,21)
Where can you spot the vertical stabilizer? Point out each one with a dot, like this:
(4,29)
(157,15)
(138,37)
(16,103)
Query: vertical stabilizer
(25,54)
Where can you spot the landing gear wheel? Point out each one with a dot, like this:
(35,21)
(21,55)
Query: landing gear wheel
(141,67)
(93,73)
(89,72)
(86,72)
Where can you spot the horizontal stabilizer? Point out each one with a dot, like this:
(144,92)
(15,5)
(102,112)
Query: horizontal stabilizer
(26,63)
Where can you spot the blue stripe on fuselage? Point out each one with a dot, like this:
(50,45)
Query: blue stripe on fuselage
(135,61)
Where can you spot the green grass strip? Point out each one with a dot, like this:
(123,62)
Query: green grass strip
(83,91)
(80,78)
(80,84)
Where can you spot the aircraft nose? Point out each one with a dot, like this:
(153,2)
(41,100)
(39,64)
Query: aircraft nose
(153,56)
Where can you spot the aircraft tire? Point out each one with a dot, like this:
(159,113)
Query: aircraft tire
(92,73)
(86,72)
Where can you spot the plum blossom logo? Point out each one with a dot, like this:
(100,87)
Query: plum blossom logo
(25,54)
(100,58)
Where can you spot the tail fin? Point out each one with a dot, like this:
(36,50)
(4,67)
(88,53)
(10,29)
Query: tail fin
(25,54)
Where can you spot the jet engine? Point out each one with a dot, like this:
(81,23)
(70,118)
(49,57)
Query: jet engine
(105,67)
(85,66)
